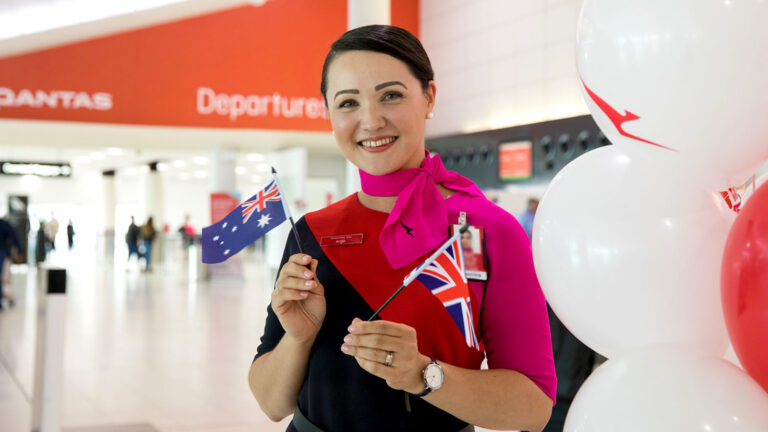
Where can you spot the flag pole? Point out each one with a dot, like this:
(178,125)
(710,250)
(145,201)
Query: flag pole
(416,272)
(284,201)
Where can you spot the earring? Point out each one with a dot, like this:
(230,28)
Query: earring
(430,116)
(333,133)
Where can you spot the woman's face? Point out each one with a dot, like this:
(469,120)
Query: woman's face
(466,240)
(378,111)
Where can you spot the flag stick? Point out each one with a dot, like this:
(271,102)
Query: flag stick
(287,211)
(416,272)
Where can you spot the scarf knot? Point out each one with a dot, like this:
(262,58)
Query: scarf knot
(419,221)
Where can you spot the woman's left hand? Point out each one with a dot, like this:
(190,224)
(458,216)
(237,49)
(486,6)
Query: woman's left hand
(370,342)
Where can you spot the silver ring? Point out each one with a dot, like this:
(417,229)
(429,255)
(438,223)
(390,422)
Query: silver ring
(388,360)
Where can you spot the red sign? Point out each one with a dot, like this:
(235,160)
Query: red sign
(515,160)
(247,67)
(222,203)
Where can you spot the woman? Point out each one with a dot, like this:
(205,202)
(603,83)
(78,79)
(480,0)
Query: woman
(148,234)
(409,370)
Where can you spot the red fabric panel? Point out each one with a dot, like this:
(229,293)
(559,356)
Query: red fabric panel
(366,268)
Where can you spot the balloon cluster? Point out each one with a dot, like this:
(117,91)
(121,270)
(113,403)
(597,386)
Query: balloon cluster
(629,239)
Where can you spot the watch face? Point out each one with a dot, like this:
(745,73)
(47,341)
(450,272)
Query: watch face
(433,375)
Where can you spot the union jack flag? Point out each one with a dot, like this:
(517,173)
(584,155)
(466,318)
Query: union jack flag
(445,278)
(270,193)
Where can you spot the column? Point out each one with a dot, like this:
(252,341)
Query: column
(108,199)
(223,176)
(291,166)
(154,206)
(361,13)
(365,12)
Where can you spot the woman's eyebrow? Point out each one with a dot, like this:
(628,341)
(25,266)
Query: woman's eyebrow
(377,88)
(389,83)
(352,91)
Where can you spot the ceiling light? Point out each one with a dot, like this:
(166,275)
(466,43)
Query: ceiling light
(81,160)
(240,170)
(200,160)
(98,156)
(131,172)
(144,169)
(162,166)
(178,164)
(114,151)
(255,157)
(262,167)
(42,16)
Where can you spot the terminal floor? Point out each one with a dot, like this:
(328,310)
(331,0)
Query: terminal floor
(144,352)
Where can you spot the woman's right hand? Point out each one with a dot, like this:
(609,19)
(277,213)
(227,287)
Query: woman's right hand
(299,299)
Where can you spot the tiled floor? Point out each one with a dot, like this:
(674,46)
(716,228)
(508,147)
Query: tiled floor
(142,351)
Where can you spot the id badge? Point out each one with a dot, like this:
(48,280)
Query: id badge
(473,248)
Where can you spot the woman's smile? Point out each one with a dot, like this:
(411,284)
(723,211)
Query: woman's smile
(377,144)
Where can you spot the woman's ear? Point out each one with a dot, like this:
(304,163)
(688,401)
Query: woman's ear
(429,94)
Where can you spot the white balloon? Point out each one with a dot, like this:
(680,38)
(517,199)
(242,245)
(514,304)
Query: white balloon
(668,390)
(730,355)
(628,258)
(684,80)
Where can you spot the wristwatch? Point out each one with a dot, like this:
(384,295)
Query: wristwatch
(433,378)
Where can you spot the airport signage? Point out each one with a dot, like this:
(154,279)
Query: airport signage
(41,169)
(56,99)
(249,67)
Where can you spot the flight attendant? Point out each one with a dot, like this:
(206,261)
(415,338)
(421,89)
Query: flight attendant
(414,368)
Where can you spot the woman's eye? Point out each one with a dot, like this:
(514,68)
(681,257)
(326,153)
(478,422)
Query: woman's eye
(347,103)
(392,96)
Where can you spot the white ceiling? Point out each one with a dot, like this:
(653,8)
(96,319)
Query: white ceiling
(29,25)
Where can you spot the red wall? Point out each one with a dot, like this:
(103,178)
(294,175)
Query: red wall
(153,76)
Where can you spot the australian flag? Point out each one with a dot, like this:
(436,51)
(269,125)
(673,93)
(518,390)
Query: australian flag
(249,221)
(445,278)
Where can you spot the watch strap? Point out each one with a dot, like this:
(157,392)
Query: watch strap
(427,388)
(424,392)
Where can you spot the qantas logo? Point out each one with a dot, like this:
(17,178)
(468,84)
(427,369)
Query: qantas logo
(407,229)
(619,119)
(66,99)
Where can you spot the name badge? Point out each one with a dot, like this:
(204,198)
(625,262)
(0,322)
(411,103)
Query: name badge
(341,240)
(473,250)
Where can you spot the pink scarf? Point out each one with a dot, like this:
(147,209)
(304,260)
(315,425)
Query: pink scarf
(419,221)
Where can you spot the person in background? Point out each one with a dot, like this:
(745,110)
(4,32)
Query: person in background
(8,241)
(132,240)
(52,228)
(148,234)
(41,243)
(526,218)
(70,234)
(187,232)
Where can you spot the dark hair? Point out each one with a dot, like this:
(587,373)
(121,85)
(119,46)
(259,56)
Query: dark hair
(385,39)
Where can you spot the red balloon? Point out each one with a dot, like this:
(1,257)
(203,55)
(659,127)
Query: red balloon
(744,284)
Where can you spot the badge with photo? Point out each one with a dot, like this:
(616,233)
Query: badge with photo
(473,247)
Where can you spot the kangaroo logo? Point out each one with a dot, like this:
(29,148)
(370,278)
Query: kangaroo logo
(407,229)
(619,119)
